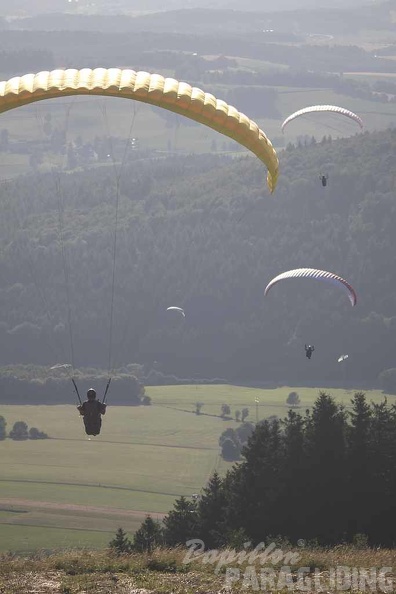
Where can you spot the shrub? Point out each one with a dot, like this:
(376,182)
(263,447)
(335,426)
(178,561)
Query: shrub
(293,399)
(19,431)
(230,450)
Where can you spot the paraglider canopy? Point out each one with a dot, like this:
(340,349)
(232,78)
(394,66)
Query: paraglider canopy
(178,309)
(326,108)
(321,275)
(167,93)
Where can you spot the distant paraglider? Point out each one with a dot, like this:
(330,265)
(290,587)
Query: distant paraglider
(321,275)
(178,309)
(309,349)
(323,108)
(323,179)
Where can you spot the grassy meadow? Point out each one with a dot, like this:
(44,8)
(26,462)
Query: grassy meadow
(72,490)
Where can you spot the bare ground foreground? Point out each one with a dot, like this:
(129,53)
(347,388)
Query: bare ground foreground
(52,583)
(172,571)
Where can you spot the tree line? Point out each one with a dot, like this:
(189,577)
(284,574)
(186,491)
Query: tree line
(169,49)
(327,476)
(21,384)
(20,431)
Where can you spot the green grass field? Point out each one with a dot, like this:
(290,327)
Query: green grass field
(72,490)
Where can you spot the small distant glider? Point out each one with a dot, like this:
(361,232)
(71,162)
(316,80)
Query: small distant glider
(61,366)
(342,358)
(178,309)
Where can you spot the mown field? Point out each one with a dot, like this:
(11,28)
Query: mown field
(72,490)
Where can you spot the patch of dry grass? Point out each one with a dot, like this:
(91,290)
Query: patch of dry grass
(164,571)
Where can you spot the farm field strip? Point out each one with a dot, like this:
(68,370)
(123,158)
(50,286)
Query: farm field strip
(32,538)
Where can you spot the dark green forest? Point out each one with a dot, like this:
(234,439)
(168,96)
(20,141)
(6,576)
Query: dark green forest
(202,233)
(326,477)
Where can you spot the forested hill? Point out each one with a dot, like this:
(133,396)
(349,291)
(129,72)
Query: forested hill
(202,233)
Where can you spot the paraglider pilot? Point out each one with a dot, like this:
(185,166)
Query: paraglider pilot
(92,410)
(324,179)
(309,350)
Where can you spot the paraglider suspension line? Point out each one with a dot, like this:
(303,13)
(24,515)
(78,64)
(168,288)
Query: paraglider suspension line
(53,345)
(76,390)
(65,270)
(117,201)
(106,390)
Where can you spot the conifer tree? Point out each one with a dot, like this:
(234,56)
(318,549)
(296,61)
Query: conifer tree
(360,465)
(255,484)
(380,490)
(180,524)
(120,543)
(212,513)
(294,474)
(326,481)
(148,536)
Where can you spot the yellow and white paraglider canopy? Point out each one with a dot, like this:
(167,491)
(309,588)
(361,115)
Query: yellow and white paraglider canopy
(154,89)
